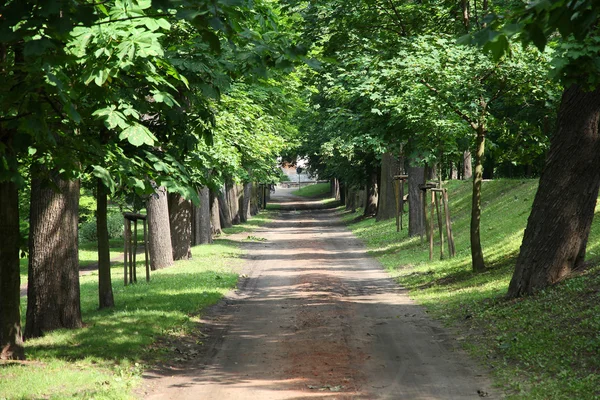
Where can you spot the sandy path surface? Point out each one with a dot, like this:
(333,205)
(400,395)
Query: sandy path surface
(317,318)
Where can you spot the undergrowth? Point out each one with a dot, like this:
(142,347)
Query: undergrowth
(313,190)
(539,347)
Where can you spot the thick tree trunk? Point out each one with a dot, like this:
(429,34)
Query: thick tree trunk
(476,250)
(224,209)
(215,219)
(53,289)
(351,195)
(233,202)
(201,221)
(180,222)
(11,337)
(245,214)
(159,232)
(387,195)
(467,165)
(416,177)
(372,193)
(105,293)
(254,199)
(342,198)
(557,231)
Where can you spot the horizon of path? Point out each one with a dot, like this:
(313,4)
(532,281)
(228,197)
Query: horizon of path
(316,317)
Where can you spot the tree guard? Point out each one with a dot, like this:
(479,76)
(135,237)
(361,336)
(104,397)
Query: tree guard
(437,205)
(399,194)
(130,251)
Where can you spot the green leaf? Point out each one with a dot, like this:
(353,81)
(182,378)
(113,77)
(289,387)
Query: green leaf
(138,135)
(104,176)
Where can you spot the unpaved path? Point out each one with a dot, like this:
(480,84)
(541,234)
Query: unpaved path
(318,318)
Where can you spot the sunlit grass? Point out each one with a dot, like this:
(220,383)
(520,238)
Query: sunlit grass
(313,190)
(540,347)
(104,360)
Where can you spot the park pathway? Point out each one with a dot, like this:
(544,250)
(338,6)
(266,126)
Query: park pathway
(318,318)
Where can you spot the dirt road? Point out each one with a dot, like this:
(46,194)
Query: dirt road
(318,318)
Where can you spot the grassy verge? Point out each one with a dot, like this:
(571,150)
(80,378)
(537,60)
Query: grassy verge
(105,359)
(313,190)
(257,220)
(539,347)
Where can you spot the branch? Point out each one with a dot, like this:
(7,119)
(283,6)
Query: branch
(458,112)
(398,17)
(15,117)
(130,19)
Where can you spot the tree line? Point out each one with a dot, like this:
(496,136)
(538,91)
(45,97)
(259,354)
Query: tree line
(180,107)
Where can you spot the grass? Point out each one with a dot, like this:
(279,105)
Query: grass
(313,190)
(105,359)
(539,347)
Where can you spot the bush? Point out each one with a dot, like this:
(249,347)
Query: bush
(87,230)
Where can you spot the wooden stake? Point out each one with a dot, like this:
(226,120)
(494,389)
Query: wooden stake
(423,202)
(146,251)
(430,233)
(451,247)
(129,243)
(134,265)
(125,243)
(440,224)
(401,202)
(396,193)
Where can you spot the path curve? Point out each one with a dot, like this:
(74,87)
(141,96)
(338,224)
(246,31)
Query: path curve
(318,318)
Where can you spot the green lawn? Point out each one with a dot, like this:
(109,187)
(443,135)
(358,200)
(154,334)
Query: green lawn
(313,190)
(105,359)
(539,347)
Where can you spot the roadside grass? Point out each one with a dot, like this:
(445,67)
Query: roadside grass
(313,190)
(538,347)
(105,359)
(263,217)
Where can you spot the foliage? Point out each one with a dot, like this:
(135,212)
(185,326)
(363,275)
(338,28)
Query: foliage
(532,357)
(88,233)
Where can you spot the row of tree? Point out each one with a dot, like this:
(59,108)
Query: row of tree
(431,87)
(183,104)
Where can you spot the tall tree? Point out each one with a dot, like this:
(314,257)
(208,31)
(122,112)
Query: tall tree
(159,231)
(53,285)
(180,222)
(105,293)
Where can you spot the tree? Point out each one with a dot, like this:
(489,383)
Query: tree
(180,223)
(557,230)
(53,286)
(159,231)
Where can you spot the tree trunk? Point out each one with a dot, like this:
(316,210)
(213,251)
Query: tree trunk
(215,219)
(232,202)
(387,195)
(201,219)
(372,193)
(557,231)
(245,214)
(351,199)
(254,199)
(53,289)
(105,293)
(476,251)
(180,222)
(342,192)
(224,213)
(416,177)
(159,231)
(11,337)
(467,166)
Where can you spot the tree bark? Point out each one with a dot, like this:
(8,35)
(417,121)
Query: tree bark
(245,214)
(159,231)
(11,336)
(180,222)
(105,293)
(558,227)
(201,227)
(416,177)
(467,165)
(372,192)
(215,219)
(224,213)
(254,196)
(53,299)
(387,195)
(233,202)
(476,250)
